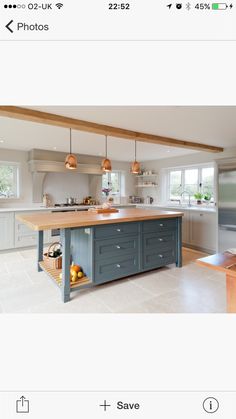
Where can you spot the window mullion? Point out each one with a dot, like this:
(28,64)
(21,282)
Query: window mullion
(183,183)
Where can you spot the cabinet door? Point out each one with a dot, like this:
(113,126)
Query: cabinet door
(203,230)
(116,267)
(7,230)
(24,236)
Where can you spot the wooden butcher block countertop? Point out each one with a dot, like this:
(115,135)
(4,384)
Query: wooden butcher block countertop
(45,221)
(224,262)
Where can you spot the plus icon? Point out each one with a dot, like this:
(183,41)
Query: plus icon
(105,405)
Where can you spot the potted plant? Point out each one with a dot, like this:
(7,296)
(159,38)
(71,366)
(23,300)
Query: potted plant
(207,197)
(198,196)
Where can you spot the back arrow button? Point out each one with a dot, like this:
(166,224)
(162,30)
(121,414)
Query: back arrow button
(8,26)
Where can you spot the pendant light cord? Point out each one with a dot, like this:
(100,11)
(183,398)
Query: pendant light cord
(70,140)
(135,151)
(106,146)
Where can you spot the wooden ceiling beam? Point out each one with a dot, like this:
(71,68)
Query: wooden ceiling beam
(80,125)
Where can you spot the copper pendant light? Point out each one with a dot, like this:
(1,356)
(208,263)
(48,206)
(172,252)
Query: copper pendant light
(135,168)
(106,163)
(71,160)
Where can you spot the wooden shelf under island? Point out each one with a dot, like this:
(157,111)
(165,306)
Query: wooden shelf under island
(109,246)
(55,276)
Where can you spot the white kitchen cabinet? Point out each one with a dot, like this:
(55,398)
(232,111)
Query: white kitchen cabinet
(24,236)
(202,230)
(7,230)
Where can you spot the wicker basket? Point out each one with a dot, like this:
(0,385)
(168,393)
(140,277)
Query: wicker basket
(53,263)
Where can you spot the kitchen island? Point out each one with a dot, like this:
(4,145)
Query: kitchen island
(109,246)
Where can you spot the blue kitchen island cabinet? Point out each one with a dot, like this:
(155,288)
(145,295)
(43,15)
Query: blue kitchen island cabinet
(110,246)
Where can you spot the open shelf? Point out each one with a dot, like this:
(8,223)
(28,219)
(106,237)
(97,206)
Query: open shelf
(153,175)
(146,186)
(55,275)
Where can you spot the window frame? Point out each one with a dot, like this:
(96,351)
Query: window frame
(199,167)
(16,179)
(118,194)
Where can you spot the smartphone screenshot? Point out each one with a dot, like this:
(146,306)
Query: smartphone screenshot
(117,209)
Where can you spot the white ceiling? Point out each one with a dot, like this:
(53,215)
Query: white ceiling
(209,125)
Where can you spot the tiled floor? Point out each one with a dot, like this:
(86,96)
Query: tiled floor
(191,289)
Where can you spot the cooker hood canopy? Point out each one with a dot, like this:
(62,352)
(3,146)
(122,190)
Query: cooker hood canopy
(42,162)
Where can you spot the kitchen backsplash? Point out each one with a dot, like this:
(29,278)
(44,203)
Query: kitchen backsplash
(60,186)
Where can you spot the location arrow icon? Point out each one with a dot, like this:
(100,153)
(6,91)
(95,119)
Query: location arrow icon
(8,26)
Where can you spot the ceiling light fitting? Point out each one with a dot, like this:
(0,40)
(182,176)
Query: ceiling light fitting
(136,167)
(106,163)
(71,160)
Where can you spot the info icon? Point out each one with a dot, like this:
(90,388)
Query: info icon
(178,6)
(211,405)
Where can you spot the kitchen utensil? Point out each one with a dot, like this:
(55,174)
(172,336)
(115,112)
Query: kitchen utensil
(46,200)
(149,200)
(70,201)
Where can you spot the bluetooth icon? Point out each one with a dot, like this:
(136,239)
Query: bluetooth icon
(188,6)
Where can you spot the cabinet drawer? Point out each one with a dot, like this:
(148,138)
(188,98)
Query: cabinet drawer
(116,247)
(157,258)
(116,268)
(116,230)
(159,240)
(159,225)
(25,241)
(22,229)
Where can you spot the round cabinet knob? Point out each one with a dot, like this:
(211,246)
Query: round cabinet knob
(118,247)
(161,256)
(118,229)
(160,240)
(118,265)
(161,225)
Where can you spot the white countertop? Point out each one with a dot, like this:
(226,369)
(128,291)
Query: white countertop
(42,208)
(179,207)
(81,207)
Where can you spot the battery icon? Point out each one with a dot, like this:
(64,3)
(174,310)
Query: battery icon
(219,6)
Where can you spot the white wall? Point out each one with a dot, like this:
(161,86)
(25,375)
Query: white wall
(20,157)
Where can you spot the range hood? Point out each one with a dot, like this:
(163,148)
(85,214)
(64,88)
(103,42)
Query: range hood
(45,166)
(39,167)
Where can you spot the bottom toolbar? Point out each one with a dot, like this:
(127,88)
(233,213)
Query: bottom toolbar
(143,405)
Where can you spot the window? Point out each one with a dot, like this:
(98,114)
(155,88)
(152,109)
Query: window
(186,181)
(208,180)
(9,180)
(175,184)
(191,181)
(111,184)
